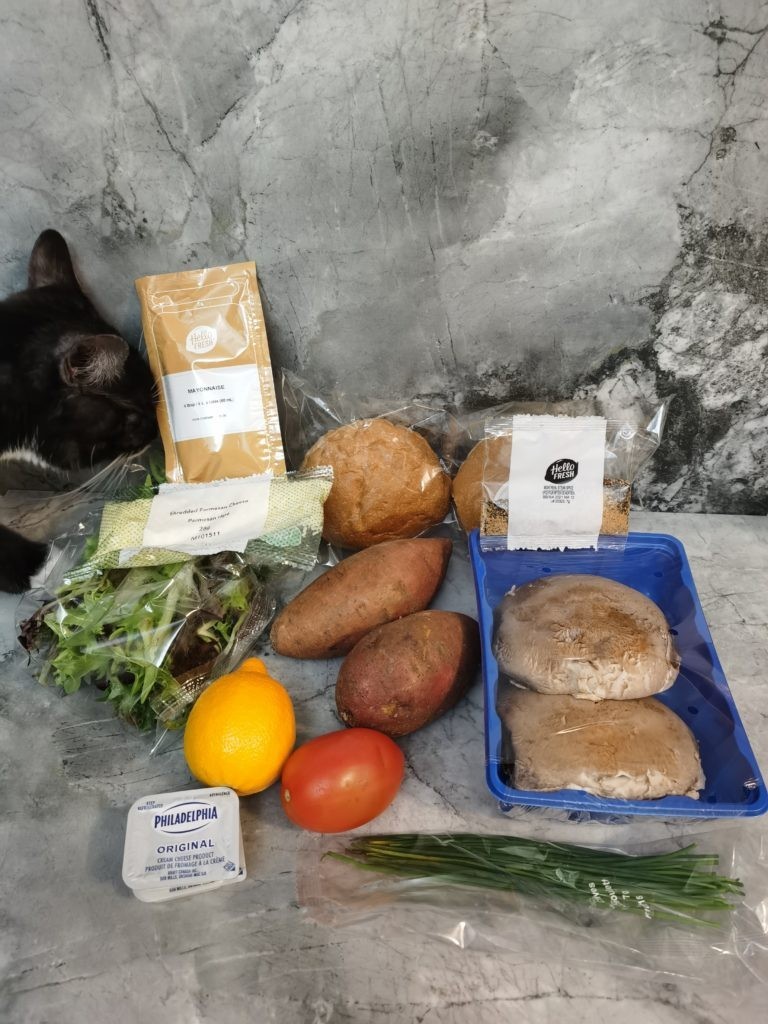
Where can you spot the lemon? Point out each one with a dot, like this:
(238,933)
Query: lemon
(241,730)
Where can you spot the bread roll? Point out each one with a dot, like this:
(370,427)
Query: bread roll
(387,483)
(631,750)
(587,636)
(489,463)
(489,459)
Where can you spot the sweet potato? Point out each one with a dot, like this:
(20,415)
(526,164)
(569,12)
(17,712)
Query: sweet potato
(374,586)
(403,675)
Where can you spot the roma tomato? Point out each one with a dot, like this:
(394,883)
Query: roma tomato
(341,780)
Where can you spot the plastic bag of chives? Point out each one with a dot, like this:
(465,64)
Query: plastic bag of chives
(680,886)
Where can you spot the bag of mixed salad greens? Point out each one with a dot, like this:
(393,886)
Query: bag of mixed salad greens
(150,627)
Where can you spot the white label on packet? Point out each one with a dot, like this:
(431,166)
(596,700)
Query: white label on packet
(186,838)
(203,519)
(556,482)
(214,402)
(179,891)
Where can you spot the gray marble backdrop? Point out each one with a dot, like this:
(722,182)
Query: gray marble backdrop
(472,199)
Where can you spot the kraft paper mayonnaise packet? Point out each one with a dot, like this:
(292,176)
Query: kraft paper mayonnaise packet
(186,838)
(207,348)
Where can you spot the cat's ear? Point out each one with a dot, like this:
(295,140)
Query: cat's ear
(93,361)
(50,262)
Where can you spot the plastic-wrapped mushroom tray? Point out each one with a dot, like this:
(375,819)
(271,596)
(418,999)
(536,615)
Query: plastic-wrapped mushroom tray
(657,566)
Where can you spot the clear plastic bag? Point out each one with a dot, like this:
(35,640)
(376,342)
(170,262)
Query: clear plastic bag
(148,639)
(389,481)
(289,538)
(151,635)
(52,503)
(631,439)
(651,906)
(307,416)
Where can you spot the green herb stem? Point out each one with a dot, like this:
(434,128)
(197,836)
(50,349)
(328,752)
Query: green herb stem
(680,886)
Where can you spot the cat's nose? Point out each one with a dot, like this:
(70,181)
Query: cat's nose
(140,428)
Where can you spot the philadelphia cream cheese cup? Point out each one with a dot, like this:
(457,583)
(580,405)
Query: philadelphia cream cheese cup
(175,892)
(189,838)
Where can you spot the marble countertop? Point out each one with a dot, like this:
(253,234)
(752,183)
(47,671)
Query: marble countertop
(75,945)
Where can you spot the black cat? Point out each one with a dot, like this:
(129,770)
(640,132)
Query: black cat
(72,391)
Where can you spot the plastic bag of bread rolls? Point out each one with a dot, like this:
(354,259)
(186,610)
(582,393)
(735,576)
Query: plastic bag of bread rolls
(388,481)
(481,444)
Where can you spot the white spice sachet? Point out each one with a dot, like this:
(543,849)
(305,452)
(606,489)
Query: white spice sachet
(555,491)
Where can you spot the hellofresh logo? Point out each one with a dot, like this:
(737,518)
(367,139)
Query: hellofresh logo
(562,471)
(201,339)
(185,817)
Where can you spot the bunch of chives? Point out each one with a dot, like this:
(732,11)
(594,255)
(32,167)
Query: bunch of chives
(680,886)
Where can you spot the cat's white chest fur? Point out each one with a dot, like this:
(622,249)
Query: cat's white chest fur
(23,468)
(28,456)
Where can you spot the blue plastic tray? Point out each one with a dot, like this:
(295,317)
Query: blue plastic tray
(657,566)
